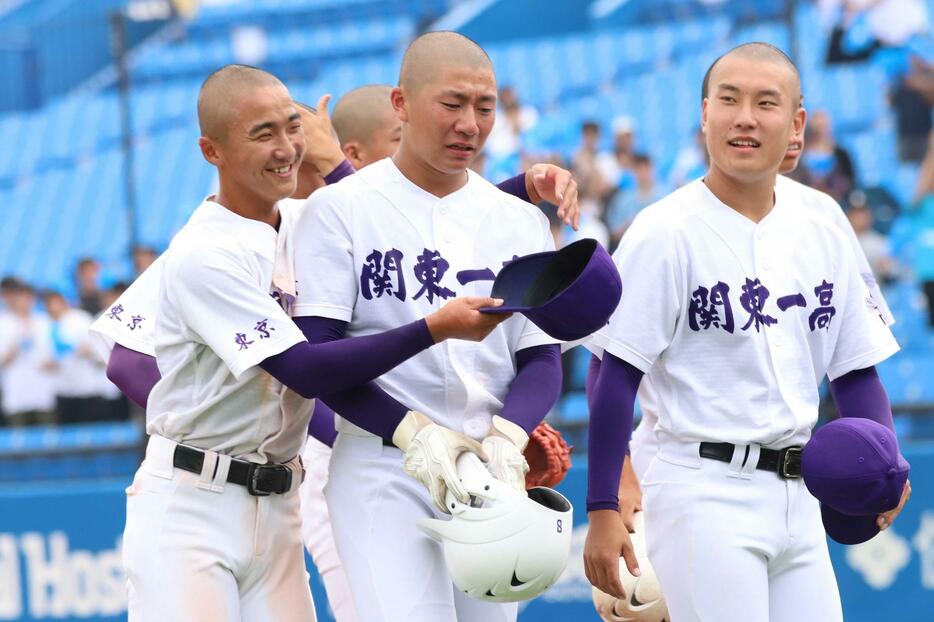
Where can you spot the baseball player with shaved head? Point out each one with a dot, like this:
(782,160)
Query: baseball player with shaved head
(130,321)
(396,239)
(736,304)
(213,525)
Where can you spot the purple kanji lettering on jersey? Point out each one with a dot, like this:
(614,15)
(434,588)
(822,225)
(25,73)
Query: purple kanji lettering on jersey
(115,312)
(753,300)
(135,322)
(241,341)
(378,273)
(703,311)
(263,330)
(792,300)
(429,271)
(469,276)
(822,315)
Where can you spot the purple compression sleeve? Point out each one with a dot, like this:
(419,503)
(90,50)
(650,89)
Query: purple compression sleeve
(344,169)
(536,387)
(133,372)
(611,411)
(593,371)
(315,369)
(516,187)
(321,426)
(365,405)
(860,394)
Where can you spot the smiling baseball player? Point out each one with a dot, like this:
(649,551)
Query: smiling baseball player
(736,304)
(398,238)
(213,525)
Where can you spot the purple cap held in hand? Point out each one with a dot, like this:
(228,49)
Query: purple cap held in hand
(853,467)
(569,293)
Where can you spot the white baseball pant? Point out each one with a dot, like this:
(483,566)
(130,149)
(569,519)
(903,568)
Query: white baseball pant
(731,543)
(317,533)
(396,572)
(198,548)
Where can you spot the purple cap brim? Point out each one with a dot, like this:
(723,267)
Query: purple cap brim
(847,529)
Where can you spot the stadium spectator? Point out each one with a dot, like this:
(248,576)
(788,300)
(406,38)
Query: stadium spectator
(590,180)
(513,119)
(87,274)
(143,256)
(78,373)
(912,98)
(875,245)
(922,217)
(825,165)
(860,27)
(617,168)
(625,204)
(26,359)
(691,161)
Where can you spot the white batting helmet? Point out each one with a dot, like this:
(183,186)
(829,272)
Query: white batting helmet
(503,546)
(644,601)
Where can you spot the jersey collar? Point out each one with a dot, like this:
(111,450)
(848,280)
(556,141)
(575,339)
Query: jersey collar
(254,235)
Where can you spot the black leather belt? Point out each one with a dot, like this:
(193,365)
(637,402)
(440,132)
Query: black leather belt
(261,480)
(784,462)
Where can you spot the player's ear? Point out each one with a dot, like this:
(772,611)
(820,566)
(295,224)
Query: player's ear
(399,104)
(351,151)
(209,150)
(800,119)
(703,115)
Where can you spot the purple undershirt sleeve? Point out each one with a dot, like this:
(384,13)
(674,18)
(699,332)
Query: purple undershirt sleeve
(611,412)
(365,405)
(321,426)
(536,387)
(593,370)
(860,394)
(133,372)
(315,369)
(344,169)
(516,187)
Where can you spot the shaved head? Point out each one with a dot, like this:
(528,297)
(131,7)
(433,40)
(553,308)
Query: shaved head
(220,92)
(756,51)
(361,112)
(433,52)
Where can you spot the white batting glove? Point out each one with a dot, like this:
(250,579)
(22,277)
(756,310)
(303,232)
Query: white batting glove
(504,446)
(431,452)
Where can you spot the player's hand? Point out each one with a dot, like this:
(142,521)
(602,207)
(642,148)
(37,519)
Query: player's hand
(884,520)
(504,446)
(322,149)
(431,452)
(547,182)
(607,541)
(630,495)
(461,319)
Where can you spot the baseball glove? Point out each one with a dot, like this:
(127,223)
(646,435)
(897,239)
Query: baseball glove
(549,457)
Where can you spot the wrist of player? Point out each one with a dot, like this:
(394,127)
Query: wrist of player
(504,446)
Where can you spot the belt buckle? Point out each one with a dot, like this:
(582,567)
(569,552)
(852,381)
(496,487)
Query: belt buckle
(253,484)
(789,463)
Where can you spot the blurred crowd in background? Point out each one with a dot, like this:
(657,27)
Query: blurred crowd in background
(50,374)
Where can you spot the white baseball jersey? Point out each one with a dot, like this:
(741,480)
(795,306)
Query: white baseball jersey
(737,322)
(643,444)
(221,312)
(825,205)
(131,319)
(379,252)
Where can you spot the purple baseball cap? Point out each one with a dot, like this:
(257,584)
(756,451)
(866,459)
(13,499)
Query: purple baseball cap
(569,293)
(853,467)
